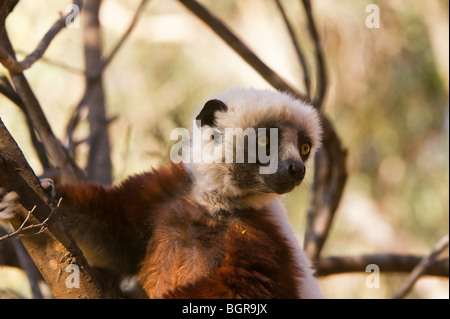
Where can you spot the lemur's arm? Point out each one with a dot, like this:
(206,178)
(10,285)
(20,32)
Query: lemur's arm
(96,216)
(112,224)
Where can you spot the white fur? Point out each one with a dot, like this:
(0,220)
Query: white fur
(251,107)
(308,285)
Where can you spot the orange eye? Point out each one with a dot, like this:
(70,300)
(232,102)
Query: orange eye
(263,140)
(305,149)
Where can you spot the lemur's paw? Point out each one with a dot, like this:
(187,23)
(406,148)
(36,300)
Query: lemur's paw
(8,204)
(48,187)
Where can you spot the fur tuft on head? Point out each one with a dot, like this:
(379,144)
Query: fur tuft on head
(251,107)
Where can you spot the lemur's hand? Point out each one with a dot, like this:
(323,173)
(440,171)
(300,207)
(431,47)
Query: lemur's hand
(8,204)
(10,200)
(48,187)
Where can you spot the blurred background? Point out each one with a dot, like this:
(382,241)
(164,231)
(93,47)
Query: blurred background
(388,99)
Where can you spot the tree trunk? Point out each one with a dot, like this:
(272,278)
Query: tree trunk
(99,161)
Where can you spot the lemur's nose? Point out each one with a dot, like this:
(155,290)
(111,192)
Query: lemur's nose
(296,171)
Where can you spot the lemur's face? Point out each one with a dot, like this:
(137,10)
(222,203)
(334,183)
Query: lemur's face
(259,141)
(281,152)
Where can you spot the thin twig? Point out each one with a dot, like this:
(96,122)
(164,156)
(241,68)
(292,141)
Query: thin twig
(61,65)
(421,267)
(21,228)
(10,62)
(300,55)
(20,231)
(322,81)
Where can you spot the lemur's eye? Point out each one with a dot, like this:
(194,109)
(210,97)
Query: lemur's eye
(263,140)
(305,149)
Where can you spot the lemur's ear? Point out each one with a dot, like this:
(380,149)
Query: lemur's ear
(207,114)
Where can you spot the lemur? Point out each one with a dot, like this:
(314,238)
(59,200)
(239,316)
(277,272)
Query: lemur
(207,229)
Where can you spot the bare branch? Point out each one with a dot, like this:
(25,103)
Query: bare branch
(58,64)
(322,80)
(24,97)
(52,250)
(329,181)
(240,48)
(6,7)
(388,263)
(421,268)
(300,55)
(22,229)
(99,167)
(7,90)
(9,61)
(67,168)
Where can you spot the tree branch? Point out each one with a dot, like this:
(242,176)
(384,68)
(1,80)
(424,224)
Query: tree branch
(330,177)
(7,90)
(388,263)
(300,55)
(99,167)
(422,267)
(61,65)
(69,171)
(322,80)
(9,60)
(53,250)
(6,7)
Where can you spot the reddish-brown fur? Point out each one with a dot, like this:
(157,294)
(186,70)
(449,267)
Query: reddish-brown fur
(151,225)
